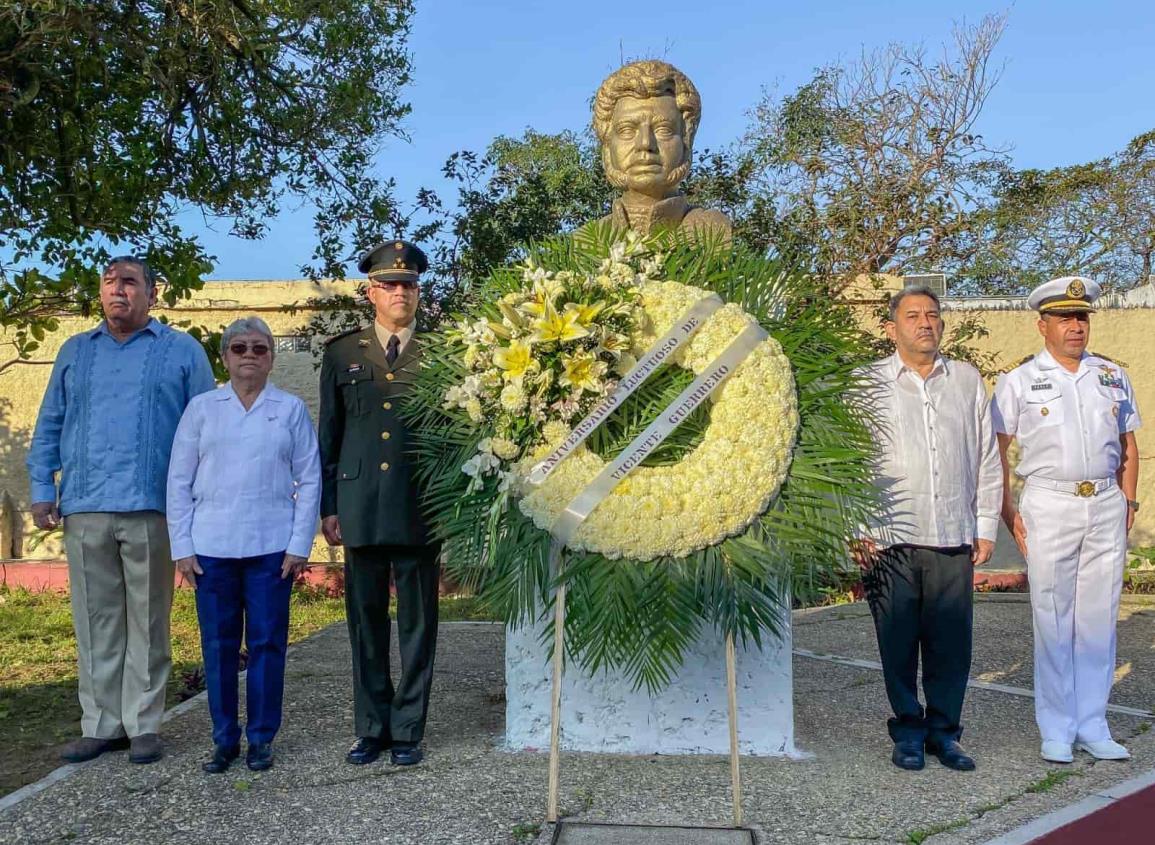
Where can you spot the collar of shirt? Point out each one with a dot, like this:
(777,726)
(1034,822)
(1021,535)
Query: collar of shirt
(383,335)
(670,210)
(1046,361)
(896,367)
(153,327)
(269,393)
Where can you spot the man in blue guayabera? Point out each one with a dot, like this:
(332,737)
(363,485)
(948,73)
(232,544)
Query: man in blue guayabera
(106,426)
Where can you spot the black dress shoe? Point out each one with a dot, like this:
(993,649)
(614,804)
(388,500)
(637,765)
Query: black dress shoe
(951,755)
(259,756)
(908,755)
(365,750)
(223,756)
(89,748)
(406,755)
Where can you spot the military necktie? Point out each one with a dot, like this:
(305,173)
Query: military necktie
(391,349)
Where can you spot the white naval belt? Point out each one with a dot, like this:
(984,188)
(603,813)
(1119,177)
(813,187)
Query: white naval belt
(1083,489)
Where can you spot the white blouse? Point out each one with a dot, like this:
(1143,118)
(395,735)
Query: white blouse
(244,483)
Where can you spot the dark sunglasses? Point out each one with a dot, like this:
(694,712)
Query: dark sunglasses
(239,348)
(392,285)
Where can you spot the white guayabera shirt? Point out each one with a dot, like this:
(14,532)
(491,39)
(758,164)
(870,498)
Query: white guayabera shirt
(938,468)
(244,483)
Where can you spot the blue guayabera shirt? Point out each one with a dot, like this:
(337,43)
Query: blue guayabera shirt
(109,415)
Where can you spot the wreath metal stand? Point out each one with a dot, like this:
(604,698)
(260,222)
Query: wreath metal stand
(557,564)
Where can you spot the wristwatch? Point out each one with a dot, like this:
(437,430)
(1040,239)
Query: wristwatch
(1133,505)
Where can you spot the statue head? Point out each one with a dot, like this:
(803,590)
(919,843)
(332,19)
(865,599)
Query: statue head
(645,116)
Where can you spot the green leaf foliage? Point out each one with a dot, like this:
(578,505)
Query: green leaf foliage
(118,117)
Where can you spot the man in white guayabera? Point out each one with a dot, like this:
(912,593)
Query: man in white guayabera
(940,488)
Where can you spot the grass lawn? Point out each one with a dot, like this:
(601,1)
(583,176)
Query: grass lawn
(38,707)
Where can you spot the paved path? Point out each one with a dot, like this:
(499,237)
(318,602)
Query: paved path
(471,791)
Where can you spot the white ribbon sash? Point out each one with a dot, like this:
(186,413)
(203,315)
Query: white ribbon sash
(678,412)
(665,346)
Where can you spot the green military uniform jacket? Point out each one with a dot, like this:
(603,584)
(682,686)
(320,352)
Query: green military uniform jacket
(367,473)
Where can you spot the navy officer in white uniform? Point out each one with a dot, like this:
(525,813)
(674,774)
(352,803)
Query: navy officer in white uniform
(1074,416)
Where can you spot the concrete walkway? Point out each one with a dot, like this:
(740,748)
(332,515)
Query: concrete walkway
(471,791)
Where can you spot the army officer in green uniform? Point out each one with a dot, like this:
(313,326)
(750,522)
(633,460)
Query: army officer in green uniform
(370,504)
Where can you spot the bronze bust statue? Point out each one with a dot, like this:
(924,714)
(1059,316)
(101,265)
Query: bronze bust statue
(645,116)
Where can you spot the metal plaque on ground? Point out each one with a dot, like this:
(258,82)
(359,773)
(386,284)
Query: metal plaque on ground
(572,833)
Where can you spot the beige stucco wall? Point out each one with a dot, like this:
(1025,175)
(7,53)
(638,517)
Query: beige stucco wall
(1123,334)
(214,307)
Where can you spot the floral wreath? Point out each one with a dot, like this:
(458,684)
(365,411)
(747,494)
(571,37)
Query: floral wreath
(714,491)
(750,496)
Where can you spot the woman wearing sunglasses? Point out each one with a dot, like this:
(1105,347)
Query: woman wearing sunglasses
(244,488)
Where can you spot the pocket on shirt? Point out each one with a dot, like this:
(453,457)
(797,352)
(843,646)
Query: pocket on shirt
(1044,409)
(1114,405)
(348,469)
(354,387)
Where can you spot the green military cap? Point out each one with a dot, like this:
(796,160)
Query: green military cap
(393,261)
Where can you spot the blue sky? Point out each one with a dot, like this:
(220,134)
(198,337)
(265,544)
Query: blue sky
(1077,82)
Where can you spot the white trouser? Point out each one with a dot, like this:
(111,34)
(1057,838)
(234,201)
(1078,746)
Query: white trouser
(1076,550)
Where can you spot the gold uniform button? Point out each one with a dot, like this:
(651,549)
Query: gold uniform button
(387,406)
(384,435)
(1044,412)
(384,466)
(389,377)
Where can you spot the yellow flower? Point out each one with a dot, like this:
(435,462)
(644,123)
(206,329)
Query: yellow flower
(507,450)
(555,432)
(613,343)
(516,360)
(586,312)
(512,397)
(561,327)
(511,314)
(583,372)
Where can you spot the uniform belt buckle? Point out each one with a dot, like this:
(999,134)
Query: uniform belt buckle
(1085,489)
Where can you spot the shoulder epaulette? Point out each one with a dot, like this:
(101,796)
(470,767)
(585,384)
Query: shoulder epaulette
(344,334)
(1019,363)
(1104,357)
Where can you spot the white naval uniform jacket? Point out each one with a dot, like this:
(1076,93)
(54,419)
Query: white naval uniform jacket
(1068,424)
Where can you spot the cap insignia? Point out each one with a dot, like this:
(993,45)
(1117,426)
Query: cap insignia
(1076,289)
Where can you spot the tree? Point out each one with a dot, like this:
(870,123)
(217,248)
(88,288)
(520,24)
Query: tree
(1096,219)
(522,190)
(876,166)
(116,115)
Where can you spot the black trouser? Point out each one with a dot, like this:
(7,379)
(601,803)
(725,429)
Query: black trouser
(923,598)
(380,710)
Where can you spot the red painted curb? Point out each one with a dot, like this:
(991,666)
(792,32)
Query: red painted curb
(1123,822)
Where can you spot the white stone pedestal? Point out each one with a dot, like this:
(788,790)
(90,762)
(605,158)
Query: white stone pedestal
(603,713)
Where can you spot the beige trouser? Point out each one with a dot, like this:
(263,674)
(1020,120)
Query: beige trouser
(121,576)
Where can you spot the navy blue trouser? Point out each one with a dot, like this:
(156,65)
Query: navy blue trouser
(249,596)
(922,600)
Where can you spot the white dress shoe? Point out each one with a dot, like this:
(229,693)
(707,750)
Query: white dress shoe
(1057,752)
(1104,749)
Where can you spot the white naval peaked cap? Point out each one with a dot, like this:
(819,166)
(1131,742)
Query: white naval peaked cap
(1066,293)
